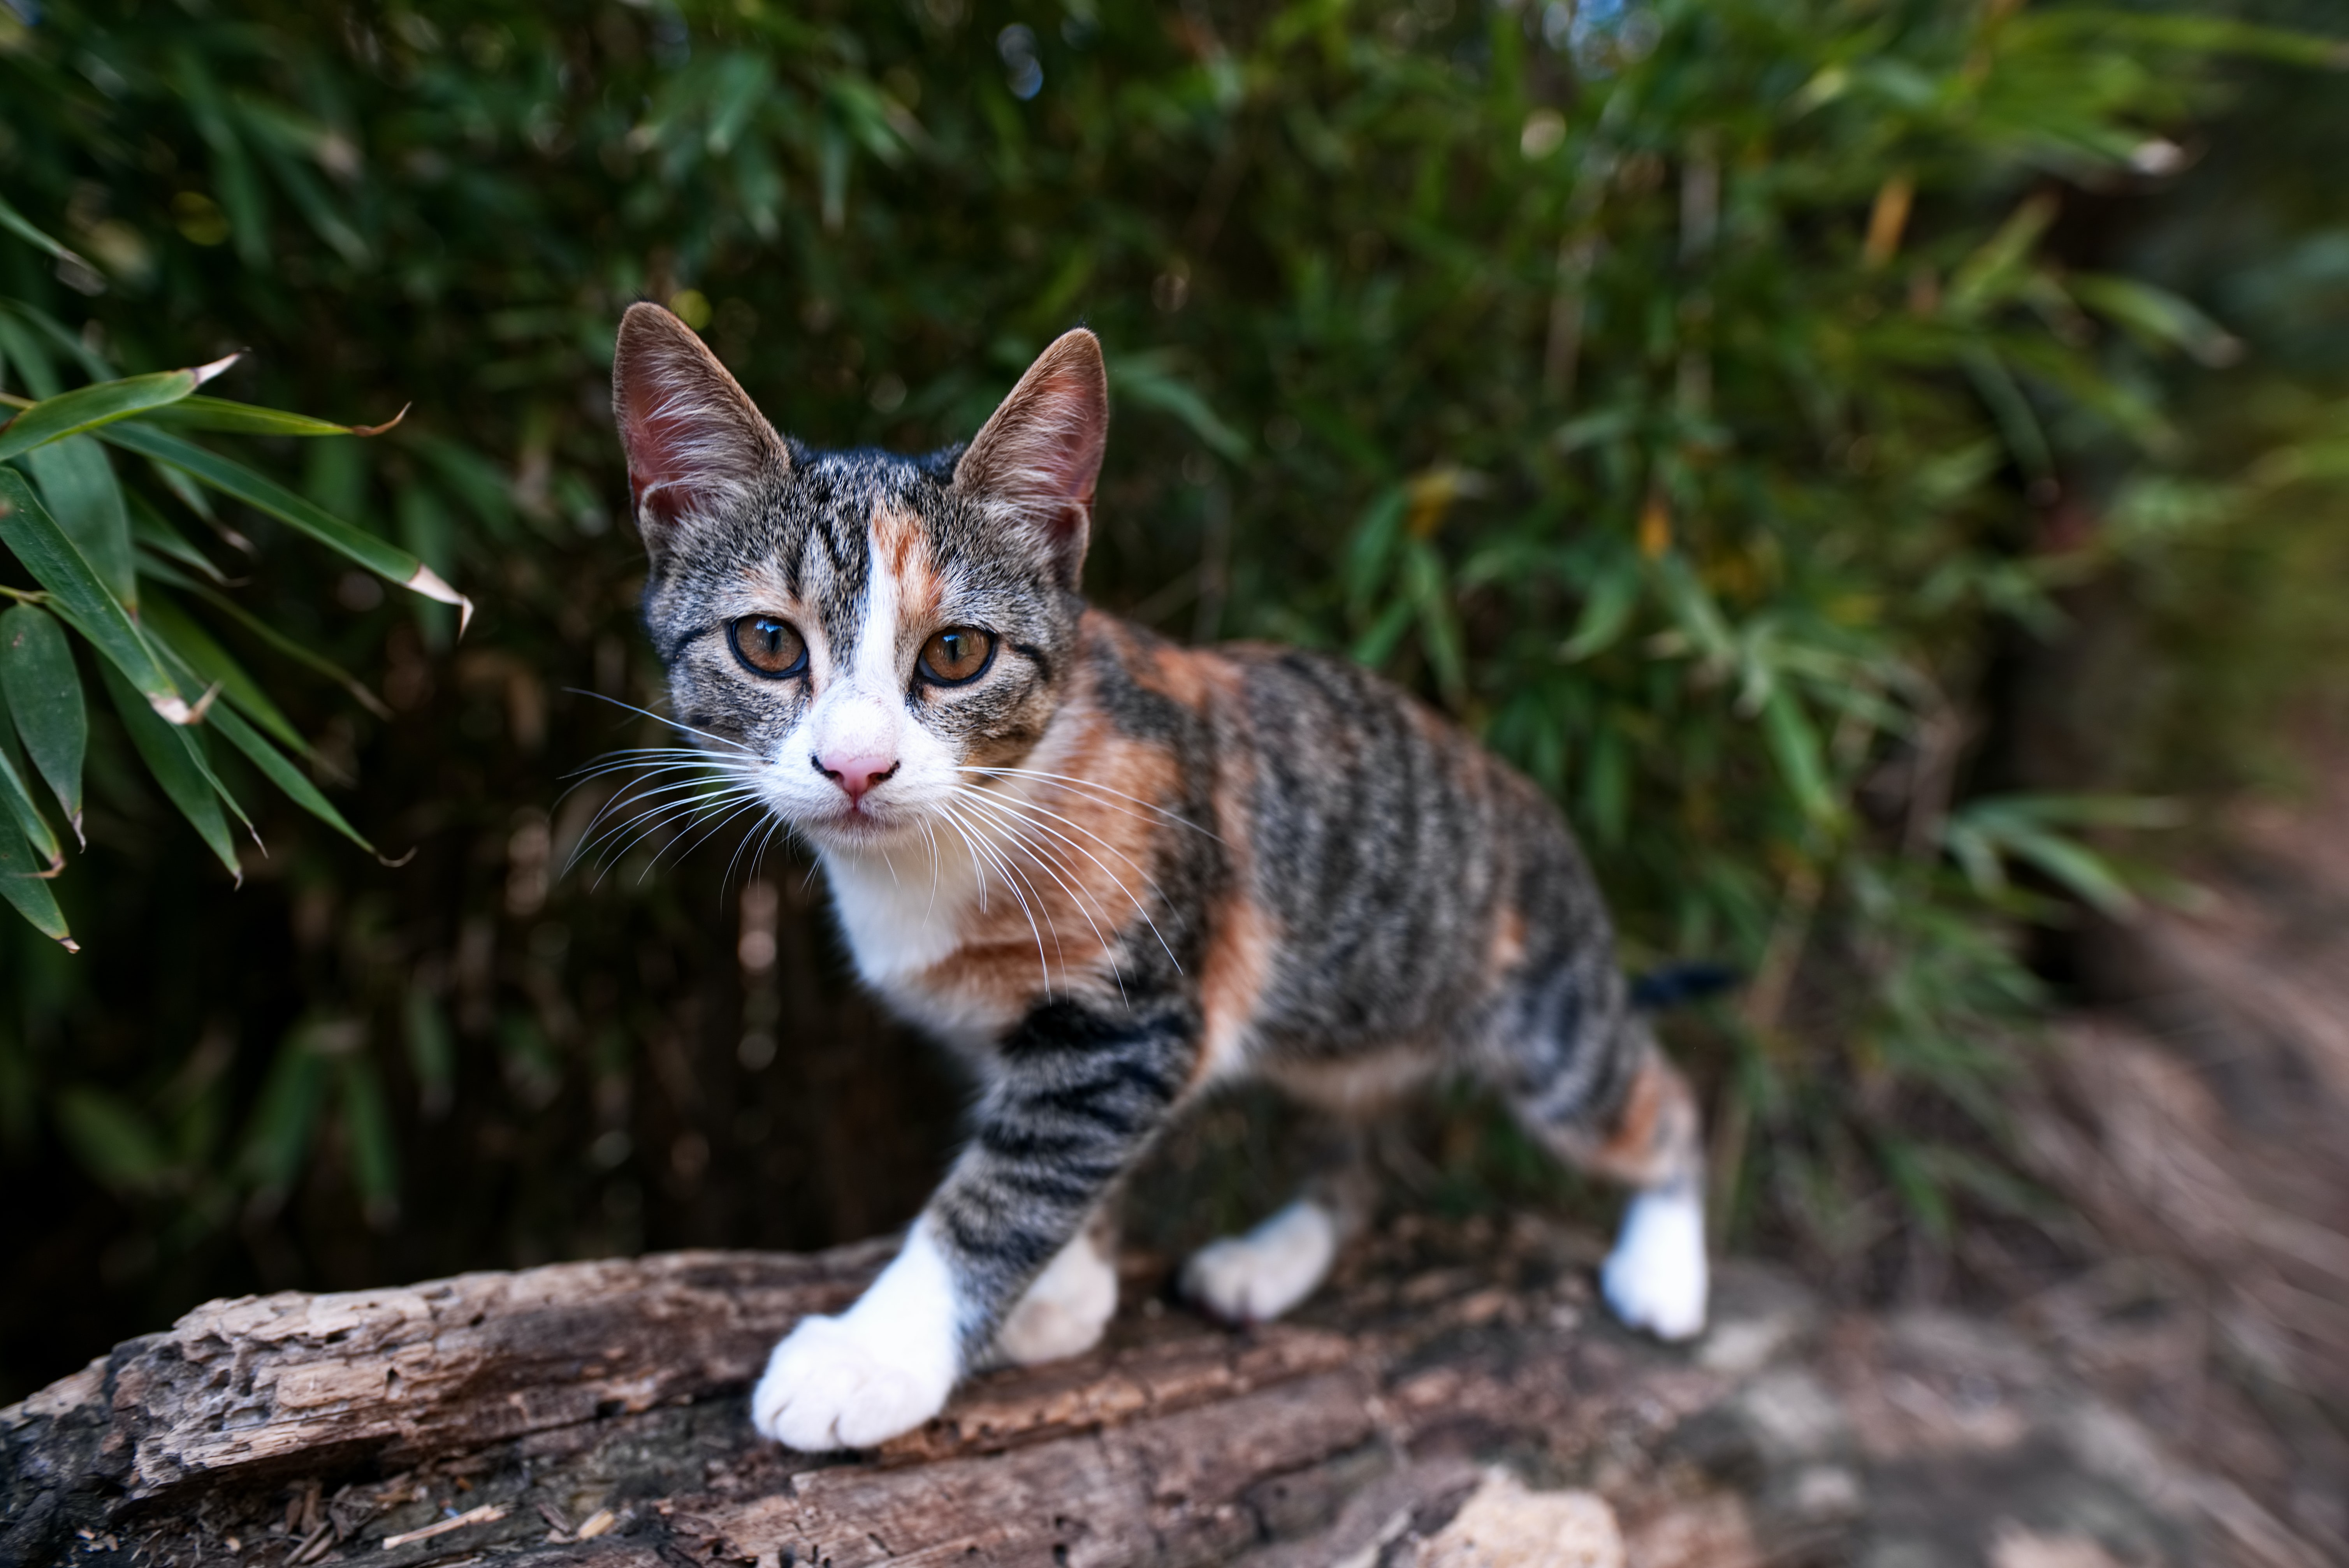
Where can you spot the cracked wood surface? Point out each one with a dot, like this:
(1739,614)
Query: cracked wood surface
(304,1427)
(237,1389)
(596,1414)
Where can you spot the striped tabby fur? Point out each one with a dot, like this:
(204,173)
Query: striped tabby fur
(1110,871)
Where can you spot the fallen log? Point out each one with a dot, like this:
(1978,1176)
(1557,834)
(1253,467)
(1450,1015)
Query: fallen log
(594,1413)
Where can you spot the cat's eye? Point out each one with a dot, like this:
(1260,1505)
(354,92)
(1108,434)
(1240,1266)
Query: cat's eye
(956,655)
(769,647)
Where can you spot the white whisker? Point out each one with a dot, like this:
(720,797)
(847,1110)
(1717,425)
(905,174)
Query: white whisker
(971,843)
(659,719)
(1052,867)
(1018,804)
(690,814)
(704,836)
(1071,781)
(653,802)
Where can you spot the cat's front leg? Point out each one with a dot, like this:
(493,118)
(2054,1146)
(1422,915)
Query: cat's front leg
(1079,1090)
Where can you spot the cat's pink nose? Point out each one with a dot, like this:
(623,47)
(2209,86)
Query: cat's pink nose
(854,774)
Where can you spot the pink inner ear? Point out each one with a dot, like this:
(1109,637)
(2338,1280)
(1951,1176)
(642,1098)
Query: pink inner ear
(657,501)
(658,445)
(691,435)
(1043,446)
(1064,450)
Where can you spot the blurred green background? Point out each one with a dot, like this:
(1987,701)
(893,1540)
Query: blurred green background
(1855,453)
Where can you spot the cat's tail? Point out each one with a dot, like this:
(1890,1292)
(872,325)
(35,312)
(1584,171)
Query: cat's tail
(1676,984)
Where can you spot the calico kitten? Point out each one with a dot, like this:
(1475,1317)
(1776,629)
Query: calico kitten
(1112,874)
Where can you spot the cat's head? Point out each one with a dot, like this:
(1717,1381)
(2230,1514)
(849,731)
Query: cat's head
(853,633)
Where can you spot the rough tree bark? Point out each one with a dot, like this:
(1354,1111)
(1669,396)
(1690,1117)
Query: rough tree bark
(594,1413)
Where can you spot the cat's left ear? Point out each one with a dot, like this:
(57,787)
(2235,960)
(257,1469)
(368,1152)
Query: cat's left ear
(1039,453)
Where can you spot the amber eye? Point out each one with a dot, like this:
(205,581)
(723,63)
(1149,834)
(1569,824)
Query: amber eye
(957,655)
(769,647)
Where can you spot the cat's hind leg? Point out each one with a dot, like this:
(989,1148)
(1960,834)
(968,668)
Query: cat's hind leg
(1261,1274)
(1637,1124)
(1071,1302)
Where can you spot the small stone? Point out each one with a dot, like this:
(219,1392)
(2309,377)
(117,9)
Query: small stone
(1827,1492)
(2015,1547)
(1503,1526)
(1792,1415)
(1744,1346)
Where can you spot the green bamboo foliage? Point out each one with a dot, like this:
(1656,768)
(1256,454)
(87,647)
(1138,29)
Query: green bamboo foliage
(67,518)
(1683,395)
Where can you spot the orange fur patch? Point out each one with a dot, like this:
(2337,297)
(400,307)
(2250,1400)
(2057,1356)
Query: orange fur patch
(1654,1131)
(1189,675)
(1239,962)
(1081,863)
(901,546)
(1508,946)
(1358,1085)
(1245,941)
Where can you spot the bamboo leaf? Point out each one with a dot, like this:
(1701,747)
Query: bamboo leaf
(201,662)
(114,1141)
(151,530)
(234,181)
(192,496)
(1795,743)
(2076,867)
(44,692)
(87,407)
(1374,535)
(2157,316)
(1373,647)
(171,754)
(25,886)
(17,804)
(17,223)
(432,1053)
(2026,440)
(1693,610)
(280,771)
(375,1161)
(60,337)
(233,418)
(20,348)
(233,479)
(78,485)
(2196,35)
(1606,785)
(1991,273)
(307,657)
(278,1137)
(1439,626)
(1605,613)
(26,528)
(1149,381)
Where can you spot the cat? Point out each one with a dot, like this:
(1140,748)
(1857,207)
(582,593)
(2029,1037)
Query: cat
(1112,873)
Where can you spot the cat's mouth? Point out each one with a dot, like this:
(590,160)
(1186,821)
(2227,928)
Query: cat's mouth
(861,822)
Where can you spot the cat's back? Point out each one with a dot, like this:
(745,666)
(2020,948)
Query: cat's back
(1386,868)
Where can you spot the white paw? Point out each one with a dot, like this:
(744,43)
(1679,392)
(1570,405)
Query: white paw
(1656,1278)
(1064,1311)
(1257,1277)
(828,1387)
(882,1367)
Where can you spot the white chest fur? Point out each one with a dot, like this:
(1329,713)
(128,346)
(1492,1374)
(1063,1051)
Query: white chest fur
(901,912)
(904,913)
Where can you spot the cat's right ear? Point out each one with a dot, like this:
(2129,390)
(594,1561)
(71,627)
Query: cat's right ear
(696,443)
(1039,453)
